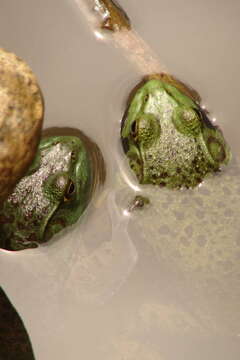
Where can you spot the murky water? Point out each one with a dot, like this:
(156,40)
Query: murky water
(162,282)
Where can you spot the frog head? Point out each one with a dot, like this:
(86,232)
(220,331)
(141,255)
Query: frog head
(52,195)
(168,138)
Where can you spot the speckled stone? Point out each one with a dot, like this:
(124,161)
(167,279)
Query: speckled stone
(21,117)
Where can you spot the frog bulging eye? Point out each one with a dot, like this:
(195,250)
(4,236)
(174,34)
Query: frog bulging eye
(73,155)
(187,121)
(148,129)
(145,98)
(134,129)
(69,191)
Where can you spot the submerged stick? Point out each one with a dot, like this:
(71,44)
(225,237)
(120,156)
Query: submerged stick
(104,16)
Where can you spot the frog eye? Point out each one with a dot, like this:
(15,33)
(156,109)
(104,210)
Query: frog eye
(146,97)
(70,191)
(187,121)
(134,129)
(148,129)
(73,155)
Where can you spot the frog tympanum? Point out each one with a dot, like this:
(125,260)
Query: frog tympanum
(167,136)
(52,195)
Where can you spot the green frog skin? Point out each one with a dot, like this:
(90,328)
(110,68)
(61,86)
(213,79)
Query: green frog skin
(168,138)
(52,195)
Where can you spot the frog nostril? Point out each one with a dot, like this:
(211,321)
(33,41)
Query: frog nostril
(70,191)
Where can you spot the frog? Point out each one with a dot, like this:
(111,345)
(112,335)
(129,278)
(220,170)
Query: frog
(114,17)
(51,196)
(168,137)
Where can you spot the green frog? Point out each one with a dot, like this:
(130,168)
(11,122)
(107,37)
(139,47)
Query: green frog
(167,136)
(52,195)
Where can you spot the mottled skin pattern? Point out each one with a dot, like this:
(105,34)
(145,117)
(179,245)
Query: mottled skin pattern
(21,117)
(14,340)
(115,19)
(168,138)
(52,195)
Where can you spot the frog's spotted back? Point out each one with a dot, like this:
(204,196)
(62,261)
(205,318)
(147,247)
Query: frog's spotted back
(168,138)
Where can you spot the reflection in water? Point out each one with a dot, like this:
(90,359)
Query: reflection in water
(133,47)
(99,274)
(195,234)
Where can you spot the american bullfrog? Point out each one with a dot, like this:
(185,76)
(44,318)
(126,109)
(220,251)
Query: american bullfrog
(21,117)
(52,195)
(168,138)
(114,17)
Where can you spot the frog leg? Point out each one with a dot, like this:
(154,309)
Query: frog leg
(17,243)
